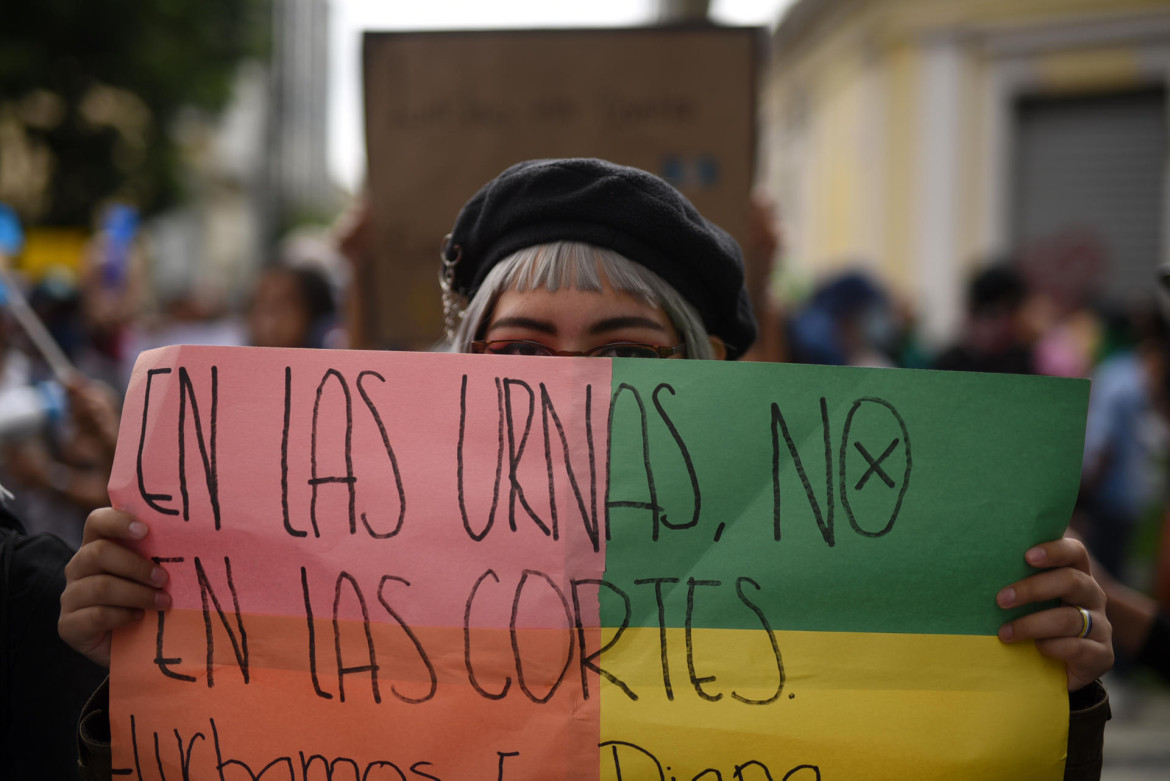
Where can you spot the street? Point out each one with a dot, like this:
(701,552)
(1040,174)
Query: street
(1137,738)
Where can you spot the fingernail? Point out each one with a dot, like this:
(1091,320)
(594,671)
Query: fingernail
(1005,633)
(1036,556)
(158,576)
(137,529)
(162,600)
(1007,597)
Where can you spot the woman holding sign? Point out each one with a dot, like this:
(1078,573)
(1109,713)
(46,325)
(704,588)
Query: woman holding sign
(587,258)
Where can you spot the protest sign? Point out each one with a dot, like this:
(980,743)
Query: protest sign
(445,111)
(423,566)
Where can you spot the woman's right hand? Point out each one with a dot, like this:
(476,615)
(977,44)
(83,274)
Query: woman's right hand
(107,585)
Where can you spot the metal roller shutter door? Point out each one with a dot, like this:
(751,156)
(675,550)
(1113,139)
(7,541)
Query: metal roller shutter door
(1097,163)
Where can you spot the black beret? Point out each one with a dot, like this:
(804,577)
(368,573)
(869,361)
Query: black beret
(619,208)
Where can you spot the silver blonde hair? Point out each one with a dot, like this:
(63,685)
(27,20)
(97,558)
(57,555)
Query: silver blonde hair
(577,266)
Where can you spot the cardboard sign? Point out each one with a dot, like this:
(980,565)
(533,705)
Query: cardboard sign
(447,111)
(424,566)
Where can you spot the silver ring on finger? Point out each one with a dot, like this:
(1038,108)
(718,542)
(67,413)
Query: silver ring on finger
(1086,622)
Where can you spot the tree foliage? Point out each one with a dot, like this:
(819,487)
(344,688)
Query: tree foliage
(90,89)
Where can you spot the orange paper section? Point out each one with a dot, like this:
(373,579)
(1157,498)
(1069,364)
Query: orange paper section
(416,716)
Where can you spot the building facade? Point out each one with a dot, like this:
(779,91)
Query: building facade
(920,139)
(254,171)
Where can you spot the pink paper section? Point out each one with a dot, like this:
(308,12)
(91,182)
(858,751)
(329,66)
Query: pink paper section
(407,553)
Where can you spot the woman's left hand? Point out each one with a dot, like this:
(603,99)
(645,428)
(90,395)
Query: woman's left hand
(1058,630)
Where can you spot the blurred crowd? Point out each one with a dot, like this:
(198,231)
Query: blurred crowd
(59,416)
(57,433)
(60,408)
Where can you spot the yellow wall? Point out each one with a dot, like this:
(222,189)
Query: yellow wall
(903,62)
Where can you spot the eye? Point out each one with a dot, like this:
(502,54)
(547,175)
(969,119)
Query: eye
(517,347)
(624,350)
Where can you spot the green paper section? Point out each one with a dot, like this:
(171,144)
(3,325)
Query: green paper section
(927,488)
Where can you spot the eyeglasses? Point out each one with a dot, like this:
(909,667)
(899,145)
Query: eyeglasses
(612,350)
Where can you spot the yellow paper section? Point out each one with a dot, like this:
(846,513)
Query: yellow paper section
(852,706)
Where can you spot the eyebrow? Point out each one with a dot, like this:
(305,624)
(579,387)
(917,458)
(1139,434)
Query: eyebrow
(629,321)
(600,327)
(531,324)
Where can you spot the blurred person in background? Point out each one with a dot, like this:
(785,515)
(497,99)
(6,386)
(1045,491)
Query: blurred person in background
(848,321)
(353,236)
(112,287)
(1141,625)
(291,306)
(56,442)
(995,334)
(763,249)
(1126,438)
(198,314)
(1064,272)
(290,303)
(58,471)
(57,465)
(1068,345)
(57,302)
(907,348)
(1161,586)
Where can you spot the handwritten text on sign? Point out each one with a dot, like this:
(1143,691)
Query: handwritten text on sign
(405,566)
